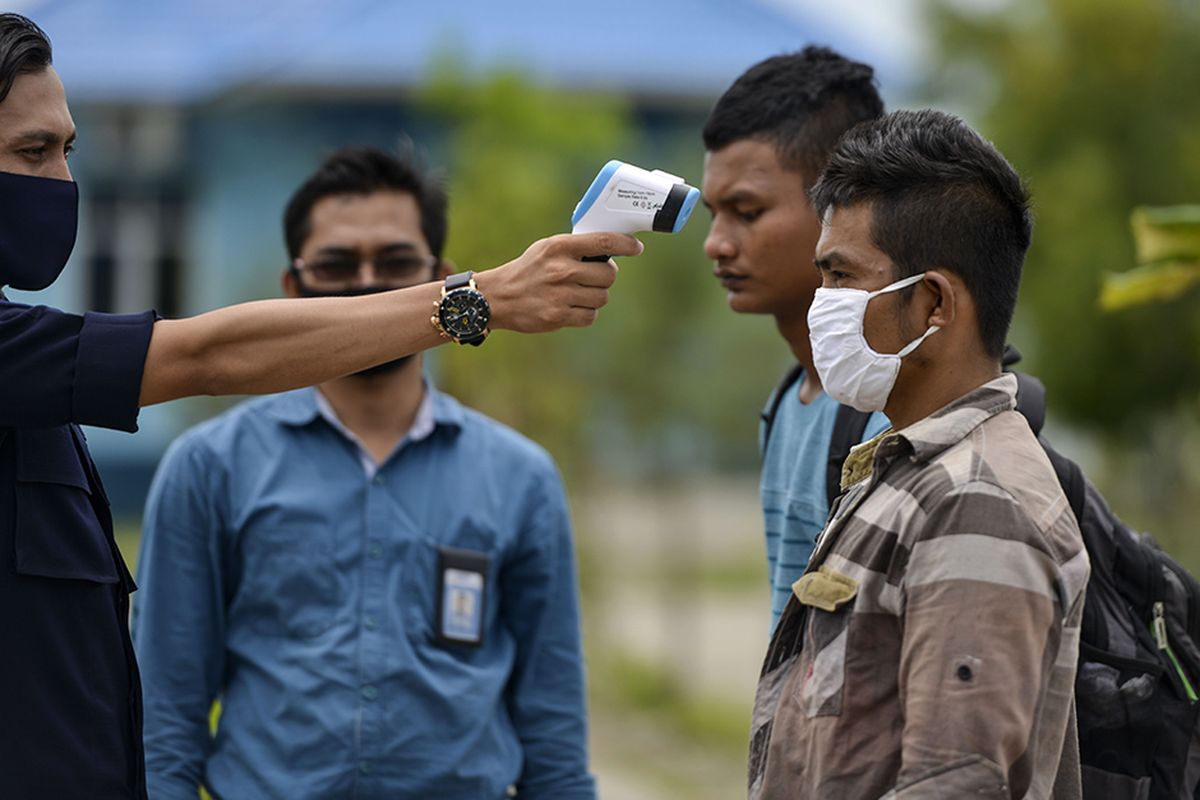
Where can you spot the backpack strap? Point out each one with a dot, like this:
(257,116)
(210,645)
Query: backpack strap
(781,391)
(1031,401)
(1070,477)
(1031,392)
(848,428)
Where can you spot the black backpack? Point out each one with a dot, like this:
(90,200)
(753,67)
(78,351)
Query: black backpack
(1139,661)
(1139,664)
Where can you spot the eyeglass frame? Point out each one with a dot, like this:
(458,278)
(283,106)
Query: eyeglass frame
(298,267)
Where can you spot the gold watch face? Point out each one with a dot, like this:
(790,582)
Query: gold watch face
(464,313)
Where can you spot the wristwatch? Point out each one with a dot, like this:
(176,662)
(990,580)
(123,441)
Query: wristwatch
(462,313)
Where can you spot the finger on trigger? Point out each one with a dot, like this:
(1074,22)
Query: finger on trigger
(599,274)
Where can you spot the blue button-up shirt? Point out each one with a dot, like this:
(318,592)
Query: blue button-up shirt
(283,578)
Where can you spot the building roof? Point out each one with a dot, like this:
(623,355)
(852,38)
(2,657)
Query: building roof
(193,50)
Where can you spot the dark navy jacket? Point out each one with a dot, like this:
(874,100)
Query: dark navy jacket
(70,717)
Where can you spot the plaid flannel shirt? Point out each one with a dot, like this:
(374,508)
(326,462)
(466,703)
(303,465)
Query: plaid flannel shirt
(929,649)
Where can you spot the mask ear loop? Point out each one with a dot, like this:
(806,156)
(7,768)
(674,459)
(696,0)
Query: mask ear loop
(915,343)
(903,283)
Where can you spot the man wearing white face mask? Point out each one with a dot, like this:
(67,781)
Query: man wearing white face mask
(853,372)
(929,649)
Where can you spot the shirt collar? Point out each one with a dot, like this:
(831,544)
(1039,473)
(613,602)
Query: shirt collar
(300,408)
(860,462)
(421,428)
(954,422)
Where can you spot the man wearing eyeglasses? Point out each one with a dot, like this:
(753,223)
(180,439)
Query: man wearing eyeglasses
(377,583)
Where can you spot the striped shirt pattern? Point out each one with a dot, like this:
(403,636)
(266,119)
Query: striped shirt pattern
(929,649)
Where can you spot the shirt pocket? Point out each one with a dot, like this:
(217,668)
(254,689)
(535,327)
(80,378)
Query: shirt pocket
(291,586)
(830,597)
(58,534)
(422,581)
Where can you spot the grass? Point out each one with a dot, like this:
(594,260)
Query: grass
(639,686)
(128,533)
(734,575)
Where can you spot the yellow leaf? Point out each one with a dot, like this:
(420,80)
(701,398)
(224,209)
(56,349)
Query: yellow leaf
(1170,233)
(1154,283)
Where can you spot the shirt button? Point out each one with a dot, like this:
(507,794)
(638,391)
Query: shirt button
(378,481)
(370,622)
(364,767)
(370,692)
(376,551)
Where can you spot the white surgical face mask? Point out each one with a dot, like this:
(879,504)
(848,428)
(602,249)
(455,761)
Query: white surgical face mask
(850,371)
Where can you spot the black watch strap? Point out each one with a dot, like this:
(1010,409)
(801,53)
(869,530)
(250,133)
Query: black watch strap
(458,280)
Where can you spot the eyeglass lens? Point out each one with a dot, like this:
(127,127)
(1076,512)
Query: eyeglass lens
(343,269)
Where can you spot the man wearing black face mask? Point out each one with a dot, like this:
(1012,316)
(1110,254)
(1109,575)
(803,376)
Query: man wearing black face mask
(71,721)
(389,572)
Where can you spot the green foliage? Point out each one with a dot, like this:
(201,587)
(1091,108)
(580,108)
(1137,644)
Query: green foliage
(1167,234)
(517,153)
(1161,282)
(1094,102)
(668,377)
(636,685)
(1168,252)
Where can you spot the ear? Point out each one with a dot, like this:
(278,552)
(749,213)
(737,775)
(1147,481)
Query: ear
(288,281)
(444,269)
(945,292)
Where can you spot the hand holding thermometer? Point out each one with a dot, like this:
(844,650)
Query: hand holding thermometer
(628,199)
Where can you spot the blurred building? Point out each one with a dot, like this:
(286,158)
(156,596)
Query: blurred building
(198,118)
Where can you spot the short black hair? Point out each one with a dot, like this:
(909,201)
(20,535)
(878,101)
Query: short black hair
(362,171)
(801,103)
(24,47)
(942,196)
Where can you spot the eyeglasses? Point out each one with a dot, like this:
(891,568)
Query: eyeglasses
(397,268)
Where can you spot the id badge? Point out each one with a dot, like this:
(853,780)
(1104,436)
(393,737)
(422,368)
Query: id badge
(462,592)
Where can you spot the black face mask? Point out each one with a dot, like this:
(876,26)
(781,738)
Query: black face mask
(386,367)
(38,221)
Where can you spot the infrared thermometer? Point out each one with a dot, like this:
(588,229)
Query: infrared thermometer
(628,199)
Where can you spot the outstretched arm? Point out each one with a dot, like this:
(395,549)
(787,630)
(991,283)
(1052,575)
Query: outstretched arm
(276,345)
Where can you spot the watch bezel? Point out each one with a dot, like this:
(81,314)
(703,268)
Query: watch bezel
(460,295)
